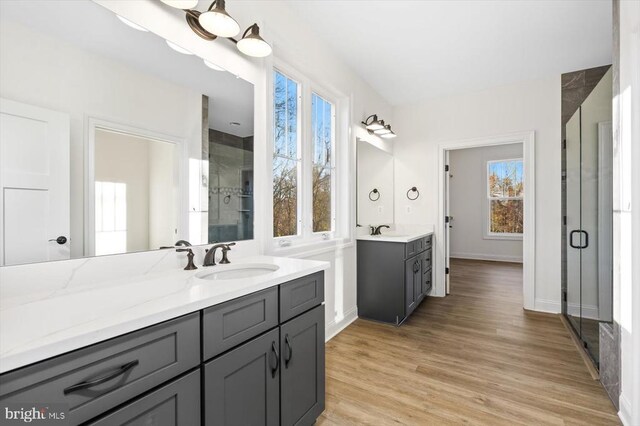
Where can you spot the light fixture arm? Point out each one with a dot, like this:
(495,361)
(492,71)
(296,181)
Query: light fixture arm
(369,120)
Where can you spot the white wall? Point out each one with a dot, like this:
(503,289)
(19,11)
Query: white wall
(527,106)
(468,204)
(627,212)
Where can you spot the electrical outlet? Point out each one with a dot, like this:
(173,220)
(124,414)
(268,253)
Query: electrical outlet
(408,209)
(380,209)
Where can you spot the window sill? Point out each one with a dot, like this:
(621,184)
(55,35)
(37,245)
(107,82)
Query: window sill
(310,248)
(508,237)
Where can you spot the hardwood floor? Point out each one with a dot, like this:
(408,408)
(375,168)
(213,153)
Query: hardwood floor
(473,357)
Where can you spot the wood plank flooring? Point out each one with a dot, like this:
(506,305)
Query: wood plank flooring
(474,357)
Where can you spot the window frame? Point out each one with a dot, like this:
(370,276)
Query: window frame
(307,88)
(488,234)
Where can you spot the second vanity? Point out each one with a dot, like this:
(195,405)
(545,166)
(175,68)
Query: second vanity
(212,351)
(394,274)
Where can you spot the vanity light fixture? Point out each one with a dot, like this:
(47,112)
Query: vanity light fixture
(378,127)
(131,24)
(389,135)
(385,129)
(216,22)
(178,48)
(372,123)
(252,44)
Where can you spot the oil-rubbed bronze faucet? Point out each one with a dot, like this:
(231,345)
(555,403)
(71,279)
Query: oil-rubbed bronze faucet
(210,257)
(376,230)
(190,265)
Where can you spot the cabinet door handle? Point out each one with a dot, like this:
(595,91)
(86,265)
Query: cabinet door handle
(289,353)
(102,379)
(274,368)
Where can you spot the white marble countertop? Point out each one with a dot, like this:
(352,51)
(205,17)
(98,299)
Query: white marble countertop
(32,330)
(396,236)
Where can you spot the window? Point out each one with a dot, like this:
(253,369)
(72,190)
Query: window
(505,190)
(304,175)
(322,123)
(286,159)
(111,218)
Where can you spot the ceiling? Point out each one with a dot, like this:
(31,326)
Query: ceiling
(90,27)
(411,51)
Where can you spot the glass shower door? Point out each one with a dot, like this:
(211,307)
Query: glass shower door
(590,216)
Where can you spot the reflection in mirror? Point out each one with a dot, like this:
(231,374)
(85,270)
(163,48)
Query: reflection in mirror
(375,184)
(114,141)
(230,156)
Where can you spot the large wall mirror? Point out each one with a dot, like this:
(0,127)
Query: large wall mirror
(114,140)
(375,184)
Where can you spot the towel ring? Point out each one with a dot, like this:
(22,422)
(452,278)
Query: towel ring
(227,199)
(374,192)
(413,189)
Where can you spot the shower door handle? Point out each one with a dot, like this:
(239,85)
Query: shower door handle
(586,239)
(580,245)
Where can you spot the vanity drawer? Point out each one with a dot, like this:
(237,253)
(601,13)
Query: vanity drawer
(427,242)
(232,323)
(426,281)
(426,260)
(411,248)
(175,404)
(300,295)
(95,379)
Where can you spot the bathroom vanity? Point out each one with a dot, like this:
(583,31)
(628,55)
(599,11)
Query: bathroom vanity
(394,275)
(209,351)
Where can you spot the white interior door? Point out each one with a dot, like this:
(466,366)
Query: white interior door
(34,184)
(447,227)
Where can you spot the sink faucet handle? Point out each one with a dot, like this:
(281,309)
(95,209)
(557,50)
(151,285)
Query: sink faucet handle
(225,249)
(190,265)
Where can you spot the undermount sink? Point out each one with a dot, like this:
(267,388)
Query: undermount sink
(235,272)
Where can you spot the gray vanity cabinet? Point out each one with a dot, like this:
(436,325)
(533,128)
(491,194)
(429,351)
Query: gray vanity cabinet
(302,379)
(242,387)
(393,278)
(254,360)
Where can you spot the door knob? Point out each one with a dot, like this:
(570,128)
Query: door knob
(60,240)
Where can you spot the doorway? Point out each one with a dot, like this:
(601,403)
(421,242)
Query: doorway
(508,198)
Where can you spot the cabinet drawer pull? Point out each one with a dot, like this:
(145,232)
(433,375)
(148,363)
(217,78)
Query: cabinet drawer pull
(102,379)
(274,368)
(289,353)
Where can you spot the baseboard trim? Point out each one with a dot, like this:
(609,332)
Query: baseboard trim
(490,257)
(334,328)
(625,411)
(545,305)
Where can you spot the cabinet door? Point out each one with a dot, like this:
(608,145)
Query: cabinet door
(241,387)
(175,404)
(417,281)
(302,368)
(409,285)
